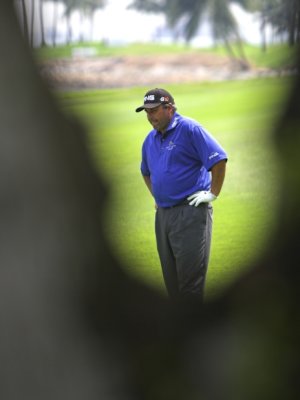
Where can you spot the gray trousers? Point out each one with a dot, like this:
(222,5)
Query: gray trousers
(183,237)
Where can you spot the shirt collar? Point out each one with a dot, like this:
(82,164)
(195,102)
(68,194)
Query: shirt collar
(172,125)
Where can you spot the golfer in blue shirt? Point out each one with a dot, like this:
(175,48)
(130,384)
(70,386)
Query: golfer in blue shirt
(184,168)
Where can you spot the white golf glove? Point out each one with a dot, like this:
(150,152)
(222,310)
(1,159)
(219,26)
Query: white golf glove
(202,196)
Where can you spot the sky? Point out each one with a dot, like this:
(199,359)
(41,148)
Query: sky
(118,25)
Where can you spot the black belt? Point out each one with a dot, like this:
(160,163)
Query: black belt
(184,202)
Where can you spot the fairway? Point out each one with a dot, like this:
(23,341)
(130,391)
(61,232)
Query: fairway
(241,115)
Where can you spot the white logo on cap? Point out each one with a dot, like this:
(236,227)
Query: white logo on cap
(150,97)
(164,99)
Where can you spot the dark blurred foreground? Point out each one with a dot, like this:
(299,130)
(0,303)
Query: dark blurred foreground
(73,325)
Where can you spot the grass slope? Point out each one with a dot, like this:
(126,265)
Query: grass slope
(241,115)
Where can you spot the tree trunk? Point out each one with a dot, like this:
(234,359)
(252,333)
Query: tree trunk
(25,21)
(292,28)
(69,28)
(263,35)
(92,25)
(42,28)
(242,56)
(81,36)
(231,53)
(55,22)
(32,22)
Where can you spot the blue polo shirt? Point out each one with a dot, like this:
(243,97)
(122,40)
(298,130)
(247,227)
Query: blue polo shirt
(179,162)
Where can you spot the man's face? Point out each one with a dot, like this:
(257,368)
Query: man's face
(160,117)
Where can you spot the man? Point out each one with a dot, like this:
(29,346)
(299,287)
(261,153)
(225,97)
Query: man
(184,168)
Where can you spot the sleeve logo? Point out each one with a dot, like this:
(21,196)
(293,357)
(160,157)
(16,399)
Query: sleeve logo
(213,155)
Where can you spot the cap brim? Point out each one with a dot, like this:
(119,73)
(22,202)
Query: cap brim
(150,105)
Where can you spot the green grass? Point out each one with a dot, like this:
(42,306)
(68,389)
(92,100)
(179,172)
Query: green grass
(276,56)
(241,115)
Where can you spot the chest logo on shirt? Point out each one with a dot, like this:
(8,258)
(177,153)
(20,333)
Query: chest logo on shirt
(171,146)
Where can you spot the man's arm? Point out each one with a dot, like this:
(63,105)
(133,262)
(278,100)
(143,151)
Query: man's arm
(217,177)
(148,182)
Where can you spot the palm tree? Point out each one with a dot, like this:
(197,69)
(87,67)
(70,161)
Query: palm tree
(264,9)
(282,15)
(285,18)
(190,13)
(225,29)
(70,7)
(86,8)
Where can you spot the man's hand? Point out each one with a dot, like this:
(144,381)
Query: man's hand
(201,197)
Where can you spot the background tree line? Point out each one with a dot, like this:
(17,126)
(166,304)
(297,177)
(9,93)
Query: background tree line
(282,15)
(27,12)
(184,17)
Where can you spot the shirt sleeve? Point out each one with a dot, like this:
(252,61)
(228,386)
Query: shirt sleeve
(209,151)
(144,164)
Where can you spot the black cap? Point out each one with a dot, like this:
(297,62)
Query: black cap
(154,97)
